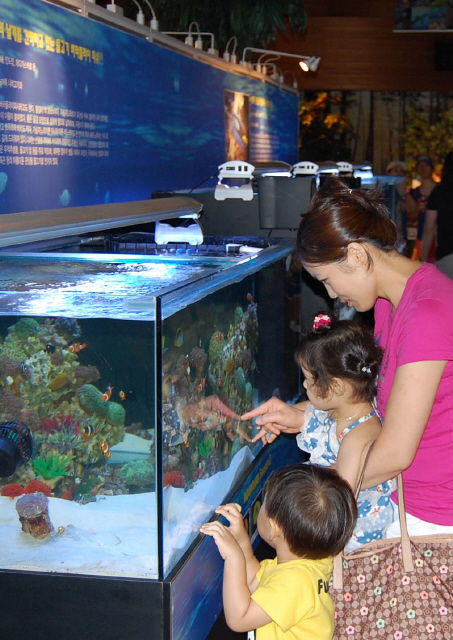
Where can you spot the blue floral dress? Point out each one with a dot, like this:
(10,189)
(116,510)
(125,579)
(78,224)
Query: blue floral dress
(375,509)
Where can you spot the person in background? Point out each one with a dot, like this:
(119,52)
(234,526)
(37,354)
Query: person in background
(397,199)
(340,363)
(347,241)
(439,220)
(308,515)
(416,203)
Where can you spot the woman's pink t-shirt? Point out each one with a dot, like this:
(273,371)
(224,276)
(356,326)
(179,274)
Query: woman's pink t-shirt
(421,328)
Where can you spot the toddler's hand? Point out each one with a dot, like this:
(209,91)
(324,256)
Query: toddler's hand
(232,513)
(225,541)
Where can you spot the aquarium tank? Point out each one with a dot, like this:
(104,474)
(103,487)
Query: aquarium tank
(122,382)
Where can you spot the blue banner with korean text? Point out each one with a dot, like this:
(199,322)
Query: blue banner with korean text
(92,115)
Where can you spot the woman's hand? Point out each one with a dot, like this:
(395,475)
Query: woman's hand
(275,417)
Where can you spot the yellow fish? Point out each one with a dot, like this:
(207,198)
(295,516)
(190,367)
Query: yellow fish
(179,338)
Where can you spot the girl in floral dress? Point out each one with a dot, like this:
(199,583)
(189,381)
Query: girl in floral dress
(340,363)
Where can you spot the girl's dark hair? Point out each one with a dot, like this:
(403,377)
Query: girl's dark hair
(447,170)
(314,507)
(346,350)
(338,216)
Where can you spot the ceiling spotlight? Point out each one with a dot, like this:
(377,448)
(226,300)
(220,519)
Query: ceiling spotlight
(307,63)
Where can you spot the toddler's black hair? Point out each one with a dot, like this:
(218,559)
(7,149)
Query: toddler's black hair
(314,507)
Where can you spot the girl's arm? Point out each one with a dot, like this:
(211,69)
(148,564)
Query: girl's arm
(352,447)
(410,403)
(241,612)
(429,231)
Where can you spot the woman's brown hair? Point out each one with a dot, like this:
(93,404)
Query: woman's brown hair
(338,216)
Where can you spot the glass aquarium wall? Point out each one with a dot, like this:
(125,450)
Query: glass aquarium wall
(120,379)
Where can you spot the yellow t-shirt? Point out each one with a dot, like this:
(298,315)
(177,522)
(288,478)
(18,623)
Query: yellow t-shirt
(295,595)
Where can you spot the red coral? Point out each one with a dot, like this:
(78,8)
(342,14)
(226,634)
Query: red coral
(12,490)
(175,479)
(57,423)
(37,485)
(67,495)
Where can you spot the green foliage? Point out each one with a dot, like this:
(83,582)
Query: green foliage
(205,446)
(420,137)
(66,440)
(51,466)
(85,488)
(325,135)
(254,23)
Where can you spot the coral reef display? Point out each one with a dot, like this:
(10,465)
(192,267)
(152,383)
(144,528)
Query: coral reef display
(207,384)
(44,385)
(48,380)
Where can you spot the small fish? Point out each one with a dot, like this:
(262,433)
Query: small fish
(88,431)
(76,347)
(179,338)
(105,448)
(50,348)
(167,388)
(249,297)
(24,367)
(219,336)
(220,383)
(122,395)
(202,384)
(107,395)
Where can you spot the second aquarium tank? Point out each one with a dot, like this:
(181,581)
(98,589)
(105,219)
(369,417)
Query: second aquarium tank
(122,382)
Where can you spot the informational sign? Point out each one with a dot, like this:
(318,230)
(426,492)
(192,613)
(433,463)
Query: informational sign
(89,114)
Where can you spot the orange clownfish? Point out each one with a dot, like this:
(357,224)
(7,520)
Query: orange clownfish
(249,297)
(88,431)
(202,384)
(219,336)
(122,395)
(105,448)
(107,395)
(75,347)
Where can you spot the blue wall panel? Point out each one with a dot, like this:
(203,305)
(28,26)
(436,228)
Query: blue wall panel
(89,114)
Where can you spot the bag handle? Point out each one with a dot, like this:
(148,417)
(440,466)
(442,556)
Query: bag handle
(408,564)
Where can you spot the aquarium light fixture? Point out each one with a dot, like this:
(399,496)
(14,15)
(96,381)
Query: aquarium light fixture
(307,63)
(154,22)
(114,8)
(140,15)
(198,43)
(231,57)
(295,85)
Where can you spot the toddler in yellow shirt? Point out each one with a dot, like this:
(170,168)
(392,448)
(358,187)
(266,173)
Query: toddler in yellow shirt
(308,515)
